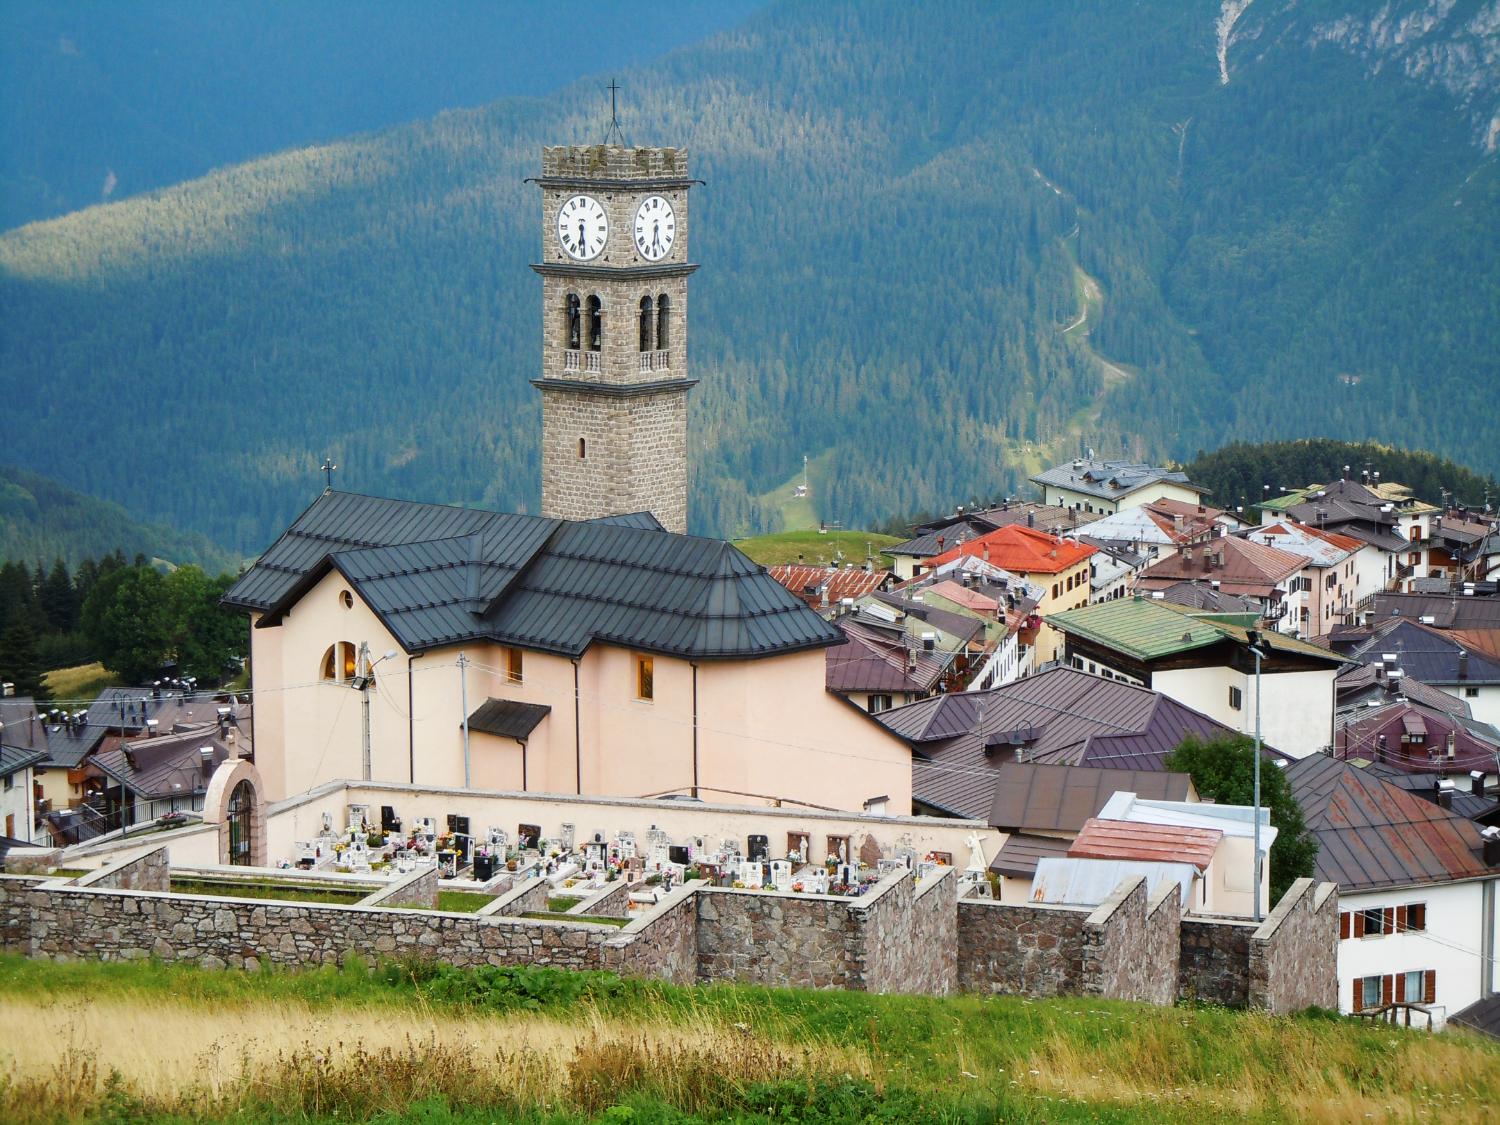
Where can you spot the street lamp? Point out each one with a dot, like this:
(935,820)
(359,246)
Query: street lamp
(361,683)
(1254,637)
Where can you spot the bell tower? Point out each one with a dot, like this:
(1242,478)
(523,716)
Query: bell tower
(614,379)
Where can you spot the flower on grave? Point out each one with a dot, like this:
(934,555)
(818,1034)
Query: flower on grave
(797,887)
(794,857)
(738,885)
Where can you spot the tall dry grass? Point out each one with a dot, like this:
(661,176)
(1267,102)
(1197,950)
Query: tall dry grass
(179,1057)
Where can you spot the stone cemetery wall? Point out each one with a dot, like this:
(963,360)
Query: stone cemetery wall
(32,861)
(1034,949)
(612,902)
(911,936)
(1130,944)
(528,898)
(149,872)
(15,912)
(664,943)
(1215,961)
(1293,960)
(794,941)
(418,890)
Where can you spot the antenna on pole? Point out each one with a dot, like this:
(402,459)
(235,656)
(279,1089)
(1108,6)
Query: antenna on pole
(328,467)
(614,133)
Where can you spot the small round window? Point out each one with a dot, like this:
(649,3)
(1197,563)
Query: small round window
(348,599)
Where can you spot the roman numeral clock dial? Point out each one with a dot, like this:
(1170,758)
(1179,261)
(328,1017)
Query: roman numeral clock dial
(582,227)
(655,228)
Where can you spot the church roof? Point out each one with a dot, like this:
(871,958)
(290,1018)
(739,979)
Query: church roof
(437,575)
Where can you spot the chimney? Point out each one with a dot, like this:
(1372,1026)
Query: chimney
(1463,665)
(206,760)
(1380,748)
(1445,794)
(1031,517)
(7,689)
(151,725)
(1491,837)
(1476,782)
(986,552)
(929,642)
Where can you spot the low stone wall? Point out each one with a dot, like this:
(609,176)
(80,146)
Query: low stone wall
(1130,944)
(911,937)
(795,941)
(149,872)
(418,890)
(527,898)
(15,912)
(612,902)
(1293,961)
(1214,965)
(662,943)
(32,861)
(1032,949)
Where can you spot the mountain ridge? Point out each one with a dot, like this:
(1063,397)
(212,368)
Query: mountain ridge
(885,281)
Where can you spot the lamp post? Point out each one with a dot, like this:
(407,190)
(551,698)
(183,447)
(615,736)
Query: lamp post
(1254,637)
(361,683)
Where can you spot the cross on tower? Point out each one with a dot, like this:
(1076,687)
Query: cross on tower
(614,131)
(328,466)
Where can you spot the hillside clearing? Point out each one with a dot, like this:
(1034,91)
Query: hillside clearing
(817,548)
(80,682)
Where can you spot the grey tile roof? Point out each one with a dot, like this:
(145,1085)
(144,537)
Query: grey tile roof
(1372,834)
(508,718)
(1482,1016)
(1077,719)
(437,576)
(1111,480)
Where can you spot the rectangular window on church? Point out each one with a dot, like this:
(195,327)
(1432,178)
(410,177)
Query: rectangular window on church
(645,687)
(513,665)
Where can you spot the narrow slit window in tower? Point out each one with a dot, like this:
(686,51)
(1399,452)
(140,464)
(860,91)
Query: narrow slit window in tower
(596,324)
(646,324)
(574,322)
(662,311)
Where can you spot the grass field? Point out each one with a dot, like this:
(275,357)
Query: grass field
(817,548)
(81,682)
(405,1043)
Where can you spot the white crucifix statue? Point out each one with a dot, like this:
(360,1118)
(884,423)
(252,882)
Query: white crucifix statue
(976,853)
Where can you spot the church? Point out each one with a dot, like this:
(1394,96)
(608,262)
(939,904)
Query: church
(596,648)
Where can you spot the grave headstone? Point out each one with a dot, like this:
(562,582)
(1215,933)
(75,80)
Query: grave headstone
(565,839)
(625,842)
(848,874)
(680,854)
(816,882)
(781,874)
(758,847)
(750,874)
(869,851)
(528,835)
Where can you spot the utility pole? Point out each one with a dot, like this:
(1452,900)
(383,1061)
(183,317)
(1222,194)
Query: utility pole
(463,691)
(363,681)
(1253,636)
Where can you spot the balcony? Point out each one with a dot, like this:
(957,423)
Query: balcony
(576,360)
(656,361)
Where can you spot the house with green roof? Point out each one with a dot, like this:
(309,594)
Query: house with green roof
(1205,661)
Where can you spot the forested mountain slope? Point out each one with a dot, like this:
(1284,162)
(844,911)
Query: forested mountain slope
(41,521)
(941,245)
(100,101)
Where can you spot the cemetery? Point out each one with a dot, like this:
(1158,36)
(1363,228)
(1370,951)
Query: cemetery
(793,898)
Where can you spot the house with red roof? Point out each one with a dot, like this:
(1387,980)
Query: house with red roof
(1057,565)
(1273,577)
(1340,571)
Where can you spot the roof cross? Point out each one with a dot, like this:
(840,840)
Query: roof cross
(614,131)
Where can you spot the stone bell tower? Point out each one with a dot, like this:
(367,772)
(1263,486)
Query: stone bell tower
(614,377)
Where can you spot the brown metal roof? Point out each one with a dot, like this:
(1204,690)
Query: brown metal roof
(1155,843)
(1240,567)
(1042,798)
(1018,855)
(1372,834)
(841,582)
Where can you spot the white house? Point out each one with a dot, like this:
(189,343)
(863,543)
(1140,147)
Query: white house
(16,804)
(1417,886)
(1091,485)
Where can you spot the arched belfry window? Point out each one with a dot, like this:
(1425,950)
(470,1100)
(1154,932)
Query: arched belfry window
(663,308)
(574,322)
(596,324)
(646,324)
(339,663)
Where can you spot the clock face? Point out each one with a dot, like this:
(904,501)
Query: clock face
(582,227)
(655,228)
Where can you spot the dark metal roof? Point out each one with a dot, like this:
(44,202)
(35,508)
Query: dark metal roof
(1466,803)
(1373,834)
(1448,611)
(1361,684)
(1415,738)
(870,662)
(1077,719)
(1040,798)
(125,711)
(1111,479)
(1427,654)
(437,576)
(508,718)
(1482,1016)
(166,765)
(13,759)
(1018,855)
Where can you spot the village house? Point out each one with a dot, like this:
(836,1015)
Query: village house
(1417,739)
(1438,658)
(881,666)
(1341,570)
(1417,885)
(937,536)
(1058,567)
(1276,579)
(1207,664)
(1058,717)
(830,590)
(1042,809)
(1091,485)
(1351,509)
(1003,603)
(17,805)
(610,656)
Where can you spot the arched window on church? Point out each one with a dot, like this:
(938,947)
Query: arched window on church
(574,322)
(596,324)
(663,307)
(646,325)
(339,663)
